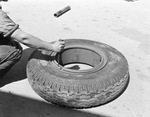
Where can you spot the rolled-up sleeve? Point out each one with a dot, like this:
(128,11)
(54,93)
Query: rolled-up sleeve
(7,26)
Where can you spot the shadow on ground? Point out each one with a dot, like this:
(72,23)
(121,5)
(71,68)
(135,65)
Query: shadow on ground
(17,106)
(18,71)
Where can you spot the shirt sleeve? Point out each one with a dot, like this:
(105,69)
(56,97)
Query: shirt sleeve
(7,26)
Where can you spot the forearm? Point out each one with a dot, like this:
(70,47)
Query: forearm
(34,42)
(30,40)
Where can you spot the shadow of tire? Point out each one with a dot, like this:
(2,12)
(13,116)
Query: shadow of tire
(18,106)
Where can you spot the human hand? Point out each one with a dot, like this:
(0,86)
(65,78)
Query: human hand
(58,45)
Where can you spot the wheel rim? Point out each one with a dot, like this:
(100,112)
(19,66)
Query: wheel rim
(78,53)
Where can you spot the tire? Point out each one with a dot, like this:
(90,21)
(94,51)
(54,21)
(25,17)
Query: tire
(72,88)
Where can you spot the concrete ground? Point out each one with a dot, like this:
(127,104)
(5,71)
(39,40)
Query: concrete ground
(123,25)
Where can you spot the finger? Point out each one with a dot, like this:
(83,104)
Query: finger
(61,40)
(62,46)
(61,43)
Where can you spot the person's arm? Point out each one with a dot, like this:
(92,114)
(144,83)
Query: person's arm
(34,42)
(10,29)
